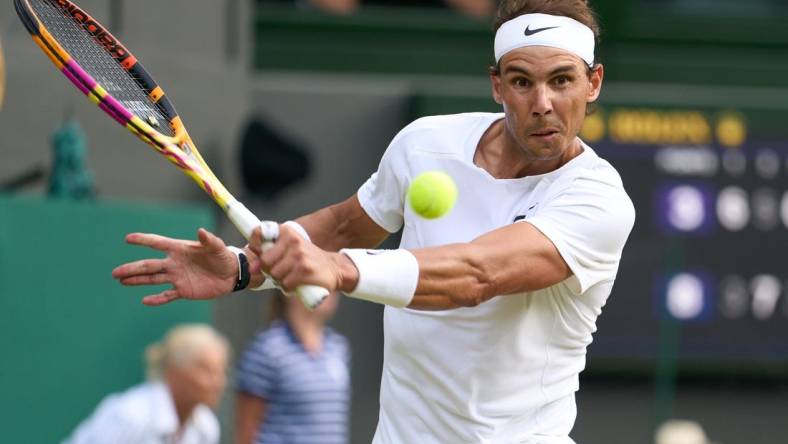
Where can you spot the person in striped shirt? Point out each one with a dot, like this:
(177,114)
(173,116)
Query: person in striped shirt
(293,383)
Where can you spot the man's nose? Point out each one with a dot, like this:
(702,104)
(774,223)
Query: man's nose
(542,102)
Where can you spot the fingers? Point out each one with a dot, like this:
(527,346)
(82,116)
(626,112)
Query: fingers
(255,266)
(154,279)
(210,241)
(286,232)
(281,271)
(162,298)
(273,255)
(290,260)
(293,260)
(269,253)
(285,247)
(153,241)
(256,241)
(139,268)
(303,271)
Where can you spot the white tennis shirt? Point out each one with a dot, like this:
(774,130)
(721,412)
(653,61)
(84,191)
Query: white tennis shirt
(506,370)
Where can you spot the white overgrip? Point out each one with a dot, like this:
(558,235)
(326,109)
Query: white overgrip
(242,218)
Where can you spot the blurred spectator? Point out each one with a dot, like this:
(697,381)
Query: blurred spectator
(473,8)
(186,376)
(677,431)
(333,6)
(293,379)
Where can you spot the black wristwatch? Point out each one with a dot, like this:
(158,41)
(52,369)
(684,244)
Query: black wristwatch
(243,269)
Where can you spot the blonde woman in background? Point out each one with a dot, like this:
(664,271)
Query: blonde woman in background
(186,377)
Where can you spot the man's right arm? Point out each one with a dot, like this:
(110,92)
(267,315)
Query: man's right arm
(206,269)
(343,225)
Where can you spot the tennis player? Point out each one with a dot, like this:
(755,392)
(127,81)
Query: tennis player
(490,309)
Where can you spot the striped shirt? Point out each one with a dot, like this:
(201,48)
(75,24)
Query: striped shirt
(308,396)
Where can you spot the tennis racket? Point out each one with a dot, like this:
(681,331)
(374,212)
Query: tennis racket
(112,78)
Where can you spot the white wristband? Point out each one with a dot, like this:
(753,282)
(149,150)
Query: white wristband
(268,283)
(387,277)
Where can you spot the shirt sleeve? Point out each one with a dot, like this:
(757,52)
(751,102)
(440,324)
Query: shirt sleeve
(589,222)
(383,195)
(257,372)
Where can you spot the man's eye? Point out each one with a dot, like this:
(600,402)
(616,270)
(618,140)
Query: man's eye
(520,82)
(562,80)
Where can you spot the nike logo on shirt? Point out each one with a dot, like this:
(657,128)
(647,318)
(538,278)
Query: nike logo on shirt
(520,217)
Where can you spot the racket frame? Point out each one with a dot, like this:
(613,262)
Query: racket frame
(179,149)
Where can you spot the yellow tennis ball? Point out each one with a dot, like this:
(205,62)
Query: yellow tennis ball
(432,194)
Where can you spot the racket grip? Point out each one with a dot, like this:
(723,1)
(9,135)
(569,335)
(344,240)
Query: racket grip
(311,295)
(242,218)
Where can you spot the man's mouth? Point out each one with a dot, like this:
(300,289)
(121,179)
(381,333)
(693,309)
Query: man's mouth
(544,132)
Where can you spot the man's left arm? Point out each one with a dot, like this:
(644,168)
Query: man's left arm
(513,259)
(577,236)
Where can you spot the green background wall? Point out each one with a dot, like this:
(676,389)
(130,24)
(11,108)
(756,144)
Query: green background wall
(70,334)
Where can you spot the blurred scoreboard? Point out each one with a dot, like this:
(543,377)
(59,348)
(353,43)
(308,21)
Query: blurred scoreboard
(709,252)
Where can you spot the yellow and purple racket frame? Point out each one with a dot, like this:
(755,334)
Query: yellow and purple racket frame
(186,158)
(112,78)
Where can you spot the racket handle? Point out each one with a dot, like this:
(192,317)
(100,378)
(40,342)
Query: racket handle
(243,219)
(311,295)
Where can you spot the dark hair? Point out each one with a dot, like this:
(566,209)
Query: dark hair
(578,10)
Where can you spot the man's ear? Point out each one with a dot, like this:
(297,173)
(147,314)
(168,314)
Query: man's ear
(595,80)
(495,80)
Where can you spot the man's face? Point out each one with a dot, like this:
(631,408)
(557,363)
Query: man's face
(202,380)
(544,92)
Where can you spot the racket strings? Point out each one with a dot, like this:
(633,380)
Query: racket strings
(92,57)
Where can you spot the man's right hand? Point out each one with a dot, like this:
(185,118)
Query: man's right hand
(203,269)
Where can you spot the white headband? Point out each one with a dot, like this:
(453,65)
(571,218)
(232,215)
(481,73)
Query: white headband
(545,30)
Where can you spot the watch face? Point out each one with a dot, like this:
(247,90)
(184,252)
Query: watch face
(706,261)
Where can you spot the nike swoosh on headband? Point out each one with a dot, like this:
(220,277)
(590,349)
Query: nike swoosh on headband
(529,32)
